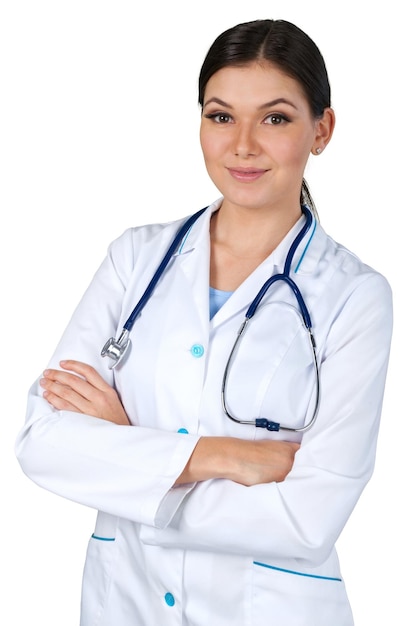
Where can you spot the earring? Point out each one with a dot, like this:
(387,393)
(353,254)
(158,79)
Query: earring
(318,150)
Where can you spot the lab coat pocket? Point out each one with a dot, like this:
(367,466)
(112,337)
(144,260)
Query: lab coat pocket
(298,598)
(98,573)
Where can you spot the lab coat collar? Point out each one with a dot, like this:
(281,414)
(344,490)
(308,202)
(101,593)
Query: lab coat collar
(194,253)
(199,232)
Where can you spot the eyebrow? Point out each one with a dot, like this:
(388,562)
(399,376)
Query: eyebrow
(266,105)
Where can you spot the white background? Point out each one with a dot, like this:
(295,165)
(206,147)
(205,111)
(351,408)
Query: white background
(99,131)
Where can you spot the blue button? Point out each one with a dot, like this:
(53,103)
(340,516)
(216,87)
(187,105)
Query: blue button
(183,430)
(169,599)
(197,350)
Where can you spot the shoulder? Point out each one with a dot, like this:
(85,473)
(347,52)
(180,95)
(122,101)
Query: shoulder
(136,237)
(351,286)
(343,264)
(141,246)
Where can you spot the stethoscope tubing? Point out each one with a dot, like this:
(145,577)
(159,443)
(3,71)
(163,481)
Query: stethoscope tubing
(117,348)
(262,422)
(305,316)
(161,269)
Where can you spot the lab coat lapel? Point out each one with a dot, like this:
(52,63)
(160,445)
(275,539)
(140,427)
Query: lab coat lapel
(193,259)
(240,300)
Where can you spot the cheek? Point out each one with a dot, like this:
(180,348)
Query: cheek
(213,143)
(212,157)
(208,145)
(294,152)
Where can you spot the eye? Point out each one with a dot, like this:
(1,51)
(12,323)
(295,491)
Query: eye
(219,118)
(276,119)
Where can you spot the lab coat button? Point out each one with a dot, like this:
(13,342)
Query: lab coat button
(169,599)
(183,430)
(197,350)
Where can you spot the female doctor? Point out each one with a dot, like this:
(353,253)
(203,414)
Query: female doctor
(227,432)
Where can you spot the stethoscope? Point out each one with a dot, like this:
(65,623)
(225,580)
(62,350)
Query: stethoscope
(116,349)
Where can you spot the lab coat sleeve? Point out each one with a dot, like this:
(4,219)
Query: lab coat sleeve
(302,517)
(122,470)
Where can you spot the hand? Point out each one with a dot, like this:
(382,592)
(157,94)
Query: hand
(84,391)
(245,462)
(262,461)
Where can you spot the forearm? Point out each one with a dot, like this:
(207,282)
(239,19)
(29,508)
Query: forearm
(124,470)
(239,460)
(299,518)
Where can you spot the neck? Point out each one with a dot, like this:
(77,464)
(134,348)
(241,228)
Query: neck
(241,240)
(249,232)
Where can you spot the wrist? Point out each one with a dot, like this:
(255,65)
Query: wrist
(210,459)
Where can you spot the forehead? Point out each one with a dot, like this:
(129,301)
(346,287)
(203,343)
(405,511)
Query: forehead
(255,81)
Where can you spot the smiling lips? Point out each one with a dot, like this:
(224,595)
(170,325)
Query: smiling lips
(246,174)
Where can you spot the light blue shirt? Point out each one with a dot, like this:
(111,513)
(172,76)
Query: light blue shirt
(217,299)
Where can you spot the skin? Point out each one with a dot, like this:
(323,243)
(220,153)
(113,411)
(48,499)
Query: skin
(257,133)
(87,392)
(241,129)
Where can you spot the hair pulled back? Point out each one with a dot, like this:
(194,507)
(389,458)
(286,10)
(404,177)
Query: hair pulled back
(279,42)
(284,45)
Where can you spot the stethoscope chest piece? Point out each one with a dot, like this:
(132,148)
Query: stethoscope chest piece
(116,349)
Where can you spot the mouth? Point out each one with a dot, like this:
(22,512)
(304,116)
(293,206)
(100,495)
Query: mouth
(246,174)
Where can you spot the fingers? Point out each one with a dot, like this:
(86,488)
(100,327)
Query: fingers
(78,387)
(59,382)
(71,391)
(65,391)
(85,381)
(59,402)
(87,371)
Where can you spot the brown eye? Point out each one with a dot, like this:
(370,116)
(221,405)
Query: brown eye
(219,118)
(276,119)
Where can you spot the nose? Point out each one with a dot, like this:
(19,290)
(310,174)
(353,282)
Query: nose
(245,142)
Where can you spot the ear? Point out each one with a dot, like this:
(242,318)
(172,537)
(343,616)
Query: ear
(324,130)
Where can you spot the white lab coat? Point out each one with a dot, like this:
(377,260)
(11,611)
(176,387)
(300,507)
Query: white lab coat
(216,552)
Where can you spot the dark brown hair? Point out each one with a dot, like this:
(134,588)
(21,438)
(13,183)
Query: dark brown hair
(279,42)
(284,45)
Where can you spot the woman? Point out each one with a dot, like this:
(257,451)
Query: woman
(205,519)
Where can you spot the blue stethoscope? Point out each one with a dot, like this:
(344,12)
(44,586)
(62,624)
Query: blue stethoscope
(116,349)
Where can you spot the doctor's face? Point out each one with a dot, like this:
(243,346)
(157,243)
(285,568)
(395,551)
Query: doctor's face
(256,134)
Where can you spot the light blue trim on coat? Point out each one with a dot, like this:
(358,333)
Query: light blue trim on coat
(306,247)
(289,571)
(103,538)
(184,240)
